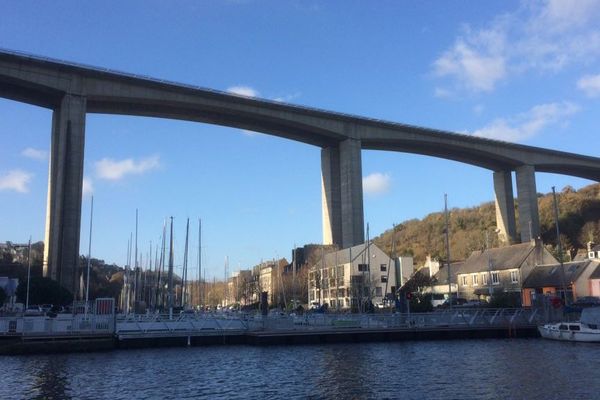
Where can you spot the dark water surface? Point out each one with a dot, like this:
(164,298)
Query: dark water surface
(470,369)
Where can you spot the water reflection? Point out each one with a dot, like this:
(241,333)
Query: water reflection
(344,372)
(50,379)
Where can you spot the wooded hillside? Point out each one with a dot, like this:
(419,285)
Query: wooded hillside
(579,221)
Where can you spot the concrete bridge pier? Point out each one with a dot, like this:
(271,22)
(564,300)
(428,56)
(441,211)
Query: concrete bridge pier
(343,217)
(65,184)
(529,217)
(505,207)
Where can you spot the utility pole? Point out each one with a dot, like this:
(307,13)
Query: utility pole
(448,250)
(560,249)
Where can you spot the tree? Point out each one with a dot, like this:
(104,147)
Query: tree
(44,291)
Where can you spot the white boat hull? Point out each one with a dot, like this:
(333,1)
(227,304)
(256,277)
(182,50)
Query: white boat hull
(583,334)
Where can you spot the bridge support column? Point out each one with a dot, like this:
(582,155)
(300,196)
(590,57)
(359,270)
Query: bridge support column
(331,200)
(505,207)
(353,223)
(65,184)
(343,218)
(529,218)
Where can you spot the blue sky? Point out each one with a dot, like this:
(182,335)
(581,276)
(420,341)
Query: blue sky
(526,72)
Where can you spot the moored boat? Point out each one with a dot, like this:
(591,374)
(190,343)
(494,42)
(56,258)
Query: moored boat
(570,331)
(584,330)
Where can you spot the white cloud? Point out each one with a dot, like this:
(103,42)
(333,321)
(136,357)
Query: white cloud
(376,183)
(35,154)
(476,61)
(110,169)
(16,180)
(543,36)
(243,91)
(442,93)
(88,186)
(529,124)
(287,98)
(590,84)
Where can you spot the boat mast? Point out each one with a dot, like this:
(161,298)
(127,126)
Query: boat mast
(159,286)
(185,266)
(294,278)
(28,273)
(226,282)
(199,260)
(87,284)
(128,274)
(155,281)
(369,267)
(170,276)
(135,267)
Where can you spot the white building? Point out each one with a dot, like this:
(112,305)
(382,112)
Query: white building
(354,276)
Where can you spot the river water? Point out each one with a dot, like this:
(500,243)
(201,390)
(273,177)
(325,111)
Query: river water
(468,369)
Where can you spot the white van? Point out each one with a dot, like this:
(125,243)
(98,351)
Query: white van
(437,299)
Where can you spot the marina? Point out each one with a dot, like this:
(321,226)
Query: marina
(100,330)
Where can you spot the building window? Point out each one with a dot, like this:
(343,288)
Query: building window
(378,291)
(495,278)
(383,267)
(514,276)
(484,278)
(363,267)
(464,280)
(325,273)
(340,271)
(475,279)
(383,279)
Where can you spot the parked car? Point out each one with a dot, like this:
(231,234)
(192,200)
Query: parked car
(456,301)
(46,307)
(474,304)
(34,311)
(437,299)
(587,301)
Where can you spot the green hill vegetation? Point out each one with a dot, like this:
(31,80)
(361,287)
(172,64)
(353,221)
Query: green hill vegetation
(579,221)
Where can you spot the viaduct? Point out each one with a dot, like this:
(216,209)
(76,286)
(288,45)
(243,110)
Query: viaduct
(73,90)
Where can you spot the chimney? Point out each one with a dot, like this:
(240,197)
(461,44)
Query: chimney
(434,266)
(539,251)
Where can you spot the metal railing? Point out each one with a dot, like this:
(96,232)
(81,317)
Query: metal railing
(199,324)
